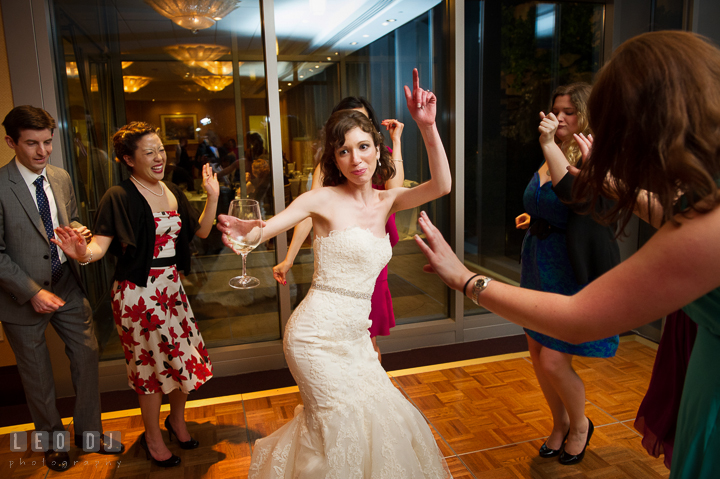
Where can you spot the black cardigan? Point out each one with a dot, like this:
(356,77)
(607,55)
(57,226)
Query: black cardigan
(591,246)
(125,215)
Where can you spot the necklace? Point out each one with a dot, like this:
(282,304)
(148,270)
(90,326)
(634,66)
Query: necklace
(151,191)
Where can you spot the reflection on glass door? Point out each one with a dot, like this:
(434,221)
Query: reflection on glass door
(206,94)
(348,50)
(516,55)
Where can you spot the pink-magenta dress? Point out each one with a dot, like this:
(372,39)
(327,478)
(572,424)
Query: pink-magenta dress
(381,314)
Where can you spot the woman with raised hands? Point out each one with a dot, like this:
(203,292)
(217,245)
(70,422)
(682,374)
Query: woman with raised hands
(655,111)
(148,225)
(353,421)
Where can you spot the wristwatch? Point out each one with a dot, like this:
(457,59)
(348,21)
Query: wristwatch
(479,286)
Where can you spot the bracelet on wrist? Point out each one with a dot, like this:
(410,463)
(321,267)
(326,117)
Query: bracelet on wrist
(88,261)
(464,290)
(397,161)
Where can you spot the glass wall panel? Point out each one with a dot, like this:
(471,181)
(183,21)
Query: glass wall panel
(516,55)
(357,51)
(205,91)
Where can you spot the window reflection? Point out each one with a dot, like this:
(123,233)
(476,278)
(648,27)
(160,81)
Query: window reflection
(206,92)
(524,51)
(352,53)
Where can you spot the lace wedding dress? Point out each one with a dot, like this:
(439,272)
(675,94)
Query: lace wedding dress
(354,422)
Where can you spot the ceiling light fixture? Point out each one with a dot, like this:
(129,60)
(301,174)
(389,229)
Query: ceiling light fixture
(131,84)
(218,68)
(390,20)
(194,14)
(213,83)
(193,54)
(353,43)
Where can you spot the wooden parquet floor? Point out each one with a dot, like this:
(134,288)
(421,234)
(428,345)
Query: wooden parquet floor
(488,416)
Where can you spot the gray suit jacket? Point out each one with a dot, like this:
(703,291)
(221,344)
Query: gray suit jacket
(25,266)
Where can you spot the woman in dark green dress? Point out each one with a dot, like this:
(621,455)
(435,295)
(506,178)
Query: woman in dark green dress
(655,111)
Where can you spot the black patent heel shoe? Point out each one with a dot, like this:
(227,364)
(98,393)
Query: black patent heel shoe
(191,444)
(171,462)
(547,452)
(570,459)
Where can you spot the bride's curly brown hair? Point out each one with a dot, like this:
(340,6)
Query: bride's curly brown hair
(655,113)
(336,127)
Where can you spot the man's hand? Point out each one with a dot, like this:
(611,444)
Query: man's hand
(46,302)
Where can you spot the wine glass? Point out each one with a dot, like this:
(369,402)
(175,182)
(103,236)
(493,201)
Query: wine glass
(245,236)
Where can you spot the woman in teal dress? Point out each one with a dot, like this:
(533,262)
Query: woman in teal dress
(655,111)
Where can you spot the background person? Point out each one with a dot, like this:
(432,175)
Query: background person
(547,265)
(148,225)
(655,111)
(40,285)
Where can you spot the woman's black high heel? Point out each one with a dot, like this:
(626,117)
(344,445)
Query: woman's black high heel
(191,444)
(547,452)
(171,462)
(570,459)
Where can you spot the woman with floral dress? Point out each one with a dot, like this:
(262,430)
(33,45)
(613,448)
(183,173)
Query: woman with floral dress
(148,225)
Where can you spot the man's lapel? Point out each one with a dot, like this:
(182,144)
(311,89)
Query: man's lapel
(55,181)
(21,191)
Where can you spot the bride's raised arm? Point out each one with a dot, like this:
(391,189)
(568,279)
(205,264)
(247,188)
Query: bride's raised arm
(422,106)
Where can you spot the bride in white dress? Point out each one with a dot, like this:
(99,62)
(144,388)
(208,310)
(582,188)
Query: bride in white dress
(353,423)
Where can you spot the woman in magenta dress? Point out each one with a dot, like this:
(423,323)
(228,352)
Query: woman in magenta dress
(381,314)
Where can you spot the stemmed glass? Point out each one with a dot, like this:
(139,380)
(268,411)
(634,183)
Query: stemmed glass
(246,236)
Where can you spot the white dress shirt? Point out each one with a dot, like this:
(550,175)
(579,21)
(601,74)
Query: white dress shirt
(29,178)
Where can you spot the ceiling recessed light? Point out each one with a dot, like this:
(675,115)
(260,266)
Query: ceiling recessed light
(353,43)
(310,70)
(329,58)
(279,89)
(385,24)
(217,19)
(365,36)
(337,53)
(317,66)
(289,84)
(302,76)
(390,20)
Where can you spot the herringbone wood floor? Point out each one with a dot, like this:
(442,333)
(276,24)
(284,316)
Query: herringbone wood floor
(488,416)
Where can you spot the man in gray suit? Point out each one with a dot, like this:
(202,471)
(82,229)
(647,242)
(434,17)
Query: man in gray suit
(39,285)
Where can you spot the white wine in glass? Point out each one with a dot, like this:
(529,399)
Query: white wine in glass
(246,236)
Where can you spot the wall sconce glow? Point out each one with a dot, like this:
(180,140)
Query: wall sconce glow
(213,83)
(194,14)
(131,84)
(71,70)
(94,84)
(205,121)
(191,55)
(317,7)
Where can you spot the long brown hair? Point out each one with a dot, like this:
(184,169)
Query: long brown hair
(579,93)
(337,126)
(655,111)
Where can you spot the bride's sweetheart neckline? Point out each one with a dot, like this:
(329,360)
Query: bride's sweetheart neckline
(334,233)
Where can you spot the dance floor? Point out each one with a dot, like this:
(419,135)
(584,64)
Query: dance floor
(488,416)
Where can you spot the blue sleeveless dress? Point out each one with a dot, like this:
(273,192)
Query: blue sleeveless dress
(545,264)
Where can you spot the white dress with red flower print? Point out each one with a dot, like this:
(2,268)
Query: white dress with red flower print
(162,344)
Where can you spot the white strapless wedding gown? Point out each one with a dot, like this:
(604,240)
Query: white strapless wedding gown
(354,423)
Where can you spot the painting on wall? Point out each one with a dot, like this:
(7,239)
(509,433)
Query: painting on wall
(179,126)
